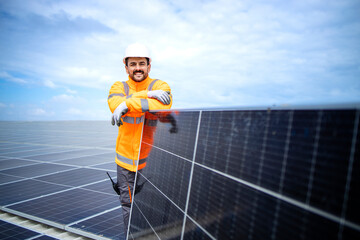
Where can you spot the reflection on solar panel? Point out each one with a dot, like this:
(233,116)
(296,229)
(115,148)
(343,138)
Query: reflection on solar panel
(55,173)
(250,174)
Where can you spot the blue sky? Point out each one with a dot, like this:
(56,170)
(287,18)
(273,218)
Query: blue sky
(59,58)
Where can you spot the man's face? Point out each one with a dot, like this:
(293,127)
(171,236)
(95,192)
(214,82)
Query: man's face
(137,68)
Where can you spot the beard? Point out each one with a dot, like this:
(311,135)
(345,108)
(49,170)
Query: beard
(138,76)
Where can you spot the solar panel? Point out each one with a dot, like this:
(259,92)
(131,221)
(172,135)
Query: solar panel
(34,170)
(26,189)
(87,161)
(8,179)
(252,174)
(55,173)
(68,206)
(10,231)
(11,163)
(210,174)
(74,177)
(103,225)
(29,151)
(73,153)
(105,166)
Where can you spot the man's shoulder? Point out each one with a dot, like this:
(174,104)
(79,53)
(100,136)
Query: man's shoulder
(157,81)
(118,82)
(157,84)
(118,85)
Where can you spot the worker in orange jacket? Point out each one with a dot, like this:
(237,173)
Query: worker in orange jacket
(129,101)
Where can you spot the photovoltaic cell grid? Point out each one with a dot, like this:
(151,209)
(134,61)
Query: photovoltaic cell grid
(9,231)
(251,174)
(55,173)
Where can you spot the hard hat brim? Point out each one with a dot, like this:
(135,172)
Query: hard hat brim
(134,56)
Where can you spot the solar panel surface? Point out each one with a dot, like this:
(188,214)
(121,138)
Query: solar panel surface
(55,173)
(252,174)
(219,174)
(10,231)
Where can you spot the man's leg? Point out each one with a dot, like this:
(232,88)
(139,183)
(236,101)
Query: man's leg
(125,180)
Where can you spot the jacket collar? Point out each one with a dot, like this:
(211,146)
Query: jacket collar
(138,86)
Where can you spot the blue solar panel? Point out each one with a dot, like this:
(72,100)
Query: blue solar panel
(68,206)
(234,174)
(10,231)
(254,174)
(8,178)
(12,163)
(109,225)
(52,176)
(87,161)
(35,170)
(75,177)
(103,186)
(25,190)
(69,154)
(111,166)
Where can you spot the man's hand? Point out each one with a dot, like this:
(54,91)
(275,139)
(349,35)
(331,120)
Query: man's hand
(119,111)
(160,95)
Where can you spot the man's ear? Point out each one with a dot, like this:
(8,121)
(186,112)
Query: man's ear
(127,70)
(149,67)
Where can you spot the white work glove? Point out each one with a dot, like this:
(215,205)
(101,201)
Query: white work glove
(119,111)
(160,95)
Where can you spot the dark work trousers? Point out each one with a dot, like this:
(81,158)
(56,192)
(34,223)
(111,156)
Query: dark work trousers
(125,181)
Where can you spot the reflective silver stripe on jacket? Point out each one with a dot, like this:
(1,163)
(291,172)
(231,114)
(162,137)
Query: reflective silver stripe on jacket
(133,120)
(115,94)
(126,88)
(152,84)
(144,105)
(128,160)
(140,119)
(128,119)
(124,159)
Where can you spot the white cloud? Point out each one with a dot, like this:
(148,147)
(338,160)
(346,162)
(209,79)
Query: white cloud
(11,78)
(49,84)
(71,91)
(212,53)
(38,112)
(80,72)
(65,98)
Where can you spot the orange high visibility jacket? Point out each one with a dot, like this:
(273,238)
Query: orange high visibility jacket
(129,137)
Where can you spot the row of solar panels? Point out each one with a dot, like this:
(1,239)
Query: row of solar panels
(56,174)
(210,175)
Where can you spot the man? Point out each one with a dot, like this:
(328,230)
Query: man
(128,101)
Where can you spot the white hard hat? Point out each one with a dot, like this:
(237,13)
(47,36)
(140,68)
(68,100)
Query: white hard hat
(137,50)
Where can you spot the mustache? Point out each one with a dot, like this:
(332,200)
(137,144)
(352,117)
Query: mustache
(138,71)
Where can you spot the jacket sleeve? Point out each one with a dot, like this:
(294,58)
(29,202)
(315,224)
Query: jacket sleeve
(116,96)
(143,103)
